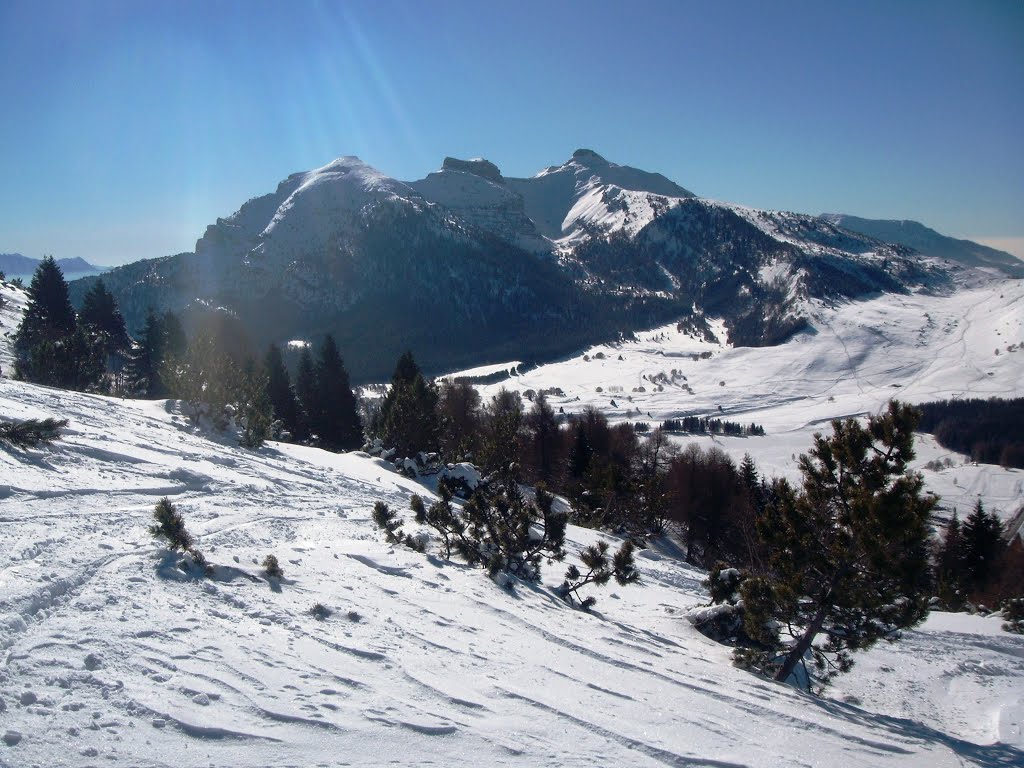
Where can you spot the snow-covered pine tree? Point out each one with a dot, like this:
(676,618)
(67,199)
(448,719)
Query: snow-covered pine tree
(848,551)
(512,534)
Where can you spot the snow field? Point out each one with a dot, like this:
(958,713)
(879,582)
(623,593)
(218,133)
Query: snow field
(113,655)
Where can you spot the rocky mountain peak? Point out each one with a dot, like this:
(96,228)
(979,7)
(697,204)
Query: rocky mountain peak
(476,166)
(588,157)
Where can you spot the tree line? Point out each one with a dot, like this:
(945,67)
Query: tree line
(989,431)
(976,563)
(212,372)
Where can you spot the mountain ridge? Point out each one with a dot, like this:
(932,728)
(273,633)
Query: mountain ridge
(468,263)
(928,241)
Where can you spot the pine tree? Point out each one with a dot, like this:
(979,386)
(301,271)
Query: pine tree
(949,574)
(170,525)
(748,474)
(161,339)
(206,377)
(105,328)
(31,433)
(388,521)
(308,394)
(459,420)
(408,420)
(175,341)
(848,552)
(511,534)
(580,453)
(254,407)
(600,571)
(280,393)
(340,427)
(502,425)
(49,315)
(49,346)
(982,545)
(147,358)
(542,443)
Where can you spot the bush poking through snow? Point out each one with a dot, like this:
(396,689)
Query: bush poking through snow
(443,518)
(511,534)
(595,557)
(1013,612)
(388,521)
(320,612)
(497,528)
(200,561)
(170,525)
(31,432)
(272,568)
(724,584)
(722,621)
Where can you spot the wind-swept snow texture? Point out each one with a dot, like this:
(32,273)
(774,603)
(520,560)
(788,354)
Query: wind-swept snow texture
(112,655)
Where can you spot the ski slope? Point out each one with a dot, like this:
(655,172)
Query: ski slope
(112,655)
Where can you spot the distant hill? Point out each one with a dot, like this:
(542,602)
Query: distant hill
(927,241)
(16,265)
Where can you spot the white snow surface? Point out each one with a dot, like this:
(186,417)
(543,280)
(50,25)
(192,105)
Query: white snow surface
(112,655)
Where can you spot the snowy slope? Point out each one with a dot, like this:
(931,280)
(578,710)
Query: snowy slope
(12,305)
(588,190)
(114,656)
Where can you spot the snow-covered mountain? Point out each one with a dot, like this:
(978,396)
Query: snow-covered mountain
(927,241)
(467,263)
(114,655)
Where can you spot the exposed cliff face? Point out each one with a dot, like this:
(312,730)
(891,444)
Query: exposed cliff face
(466,262)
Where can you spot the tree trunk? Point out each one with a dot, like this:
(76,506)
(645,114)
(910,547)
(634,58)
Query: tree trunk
(803,644)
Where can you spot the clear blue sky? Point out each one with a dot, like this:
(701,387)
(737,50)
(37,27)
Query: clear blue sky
(127,127)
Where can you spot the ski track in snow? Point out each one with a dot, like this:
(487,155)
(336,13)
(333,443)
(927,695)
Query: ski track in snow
(112,655)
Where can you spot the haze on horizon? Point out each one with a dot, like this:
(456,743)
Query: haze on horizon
(131,126)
